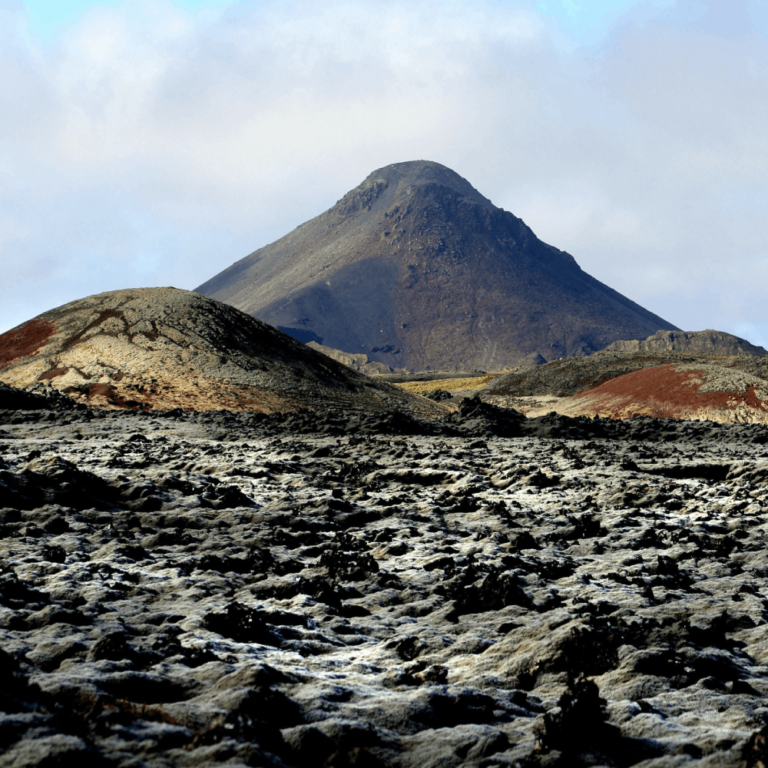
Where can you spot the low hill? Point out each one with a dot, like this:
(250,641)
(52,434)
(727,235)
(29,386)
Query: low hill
(361,363)
(164,348)
(724,388)
(707,342)
(705,390)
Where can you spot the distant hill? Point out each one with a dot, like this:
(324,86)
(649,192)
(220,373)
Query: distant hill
(416,269)
(676,384)
(696,342)
(164,348)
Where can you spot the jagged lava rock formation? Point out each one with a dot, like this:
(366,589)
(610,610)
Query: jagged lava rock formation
(416,269)
(165,348)
(201,589)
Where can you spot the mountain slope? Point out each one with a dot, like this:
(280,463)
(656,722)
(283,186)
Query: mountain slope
(416,269)
(164,348)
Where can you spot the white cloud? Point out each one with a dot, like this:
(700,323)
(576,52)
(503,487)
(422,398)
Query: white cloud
(151,146)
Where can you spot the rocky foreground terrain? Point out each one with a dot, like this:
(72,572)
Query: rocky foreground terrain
(187,589)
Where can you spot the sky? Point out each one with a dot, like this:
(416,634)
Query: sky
(155,142)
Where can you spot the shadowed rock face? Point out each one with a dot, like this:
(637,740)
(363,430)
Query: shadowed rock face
(166,348)
(416,269)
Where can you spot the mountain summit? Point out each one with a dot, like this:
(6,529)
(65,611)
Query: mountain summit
(416,269)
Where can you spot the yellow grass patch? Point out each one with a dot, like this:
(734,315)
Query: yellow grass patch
(449,385)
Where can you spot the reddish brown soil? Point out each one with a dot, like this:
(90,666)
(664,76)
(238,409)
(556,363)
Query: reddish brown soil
(53,373)
(24,341)
(662,391)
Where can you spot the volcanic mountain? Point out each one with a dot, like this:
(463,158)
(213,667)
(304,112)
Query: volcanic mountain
(164,348)
(416,269)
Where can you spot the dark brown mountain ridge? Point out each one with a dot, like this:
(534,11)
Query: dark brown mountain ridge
(418,270)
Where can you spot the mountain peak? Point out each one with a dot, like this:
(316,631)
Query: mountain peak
(397,186)
(401,177)
(416,269)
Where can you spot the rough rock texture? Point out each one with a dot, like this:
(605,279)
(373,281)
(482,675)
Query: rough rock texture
(289,590)
(690,342)
(416,269)
(164,348)
(622,385)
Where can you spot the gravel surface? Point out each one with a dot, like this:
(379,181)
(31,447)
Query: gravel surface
(309,590)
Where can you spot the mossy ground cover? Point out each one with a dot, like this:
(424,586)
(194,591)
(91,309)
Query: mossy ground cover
(450,385)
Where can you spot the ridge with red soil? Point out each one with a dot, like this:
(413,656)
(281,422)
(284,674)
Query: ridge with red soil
(24,341)
(664,384)
(670,391)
